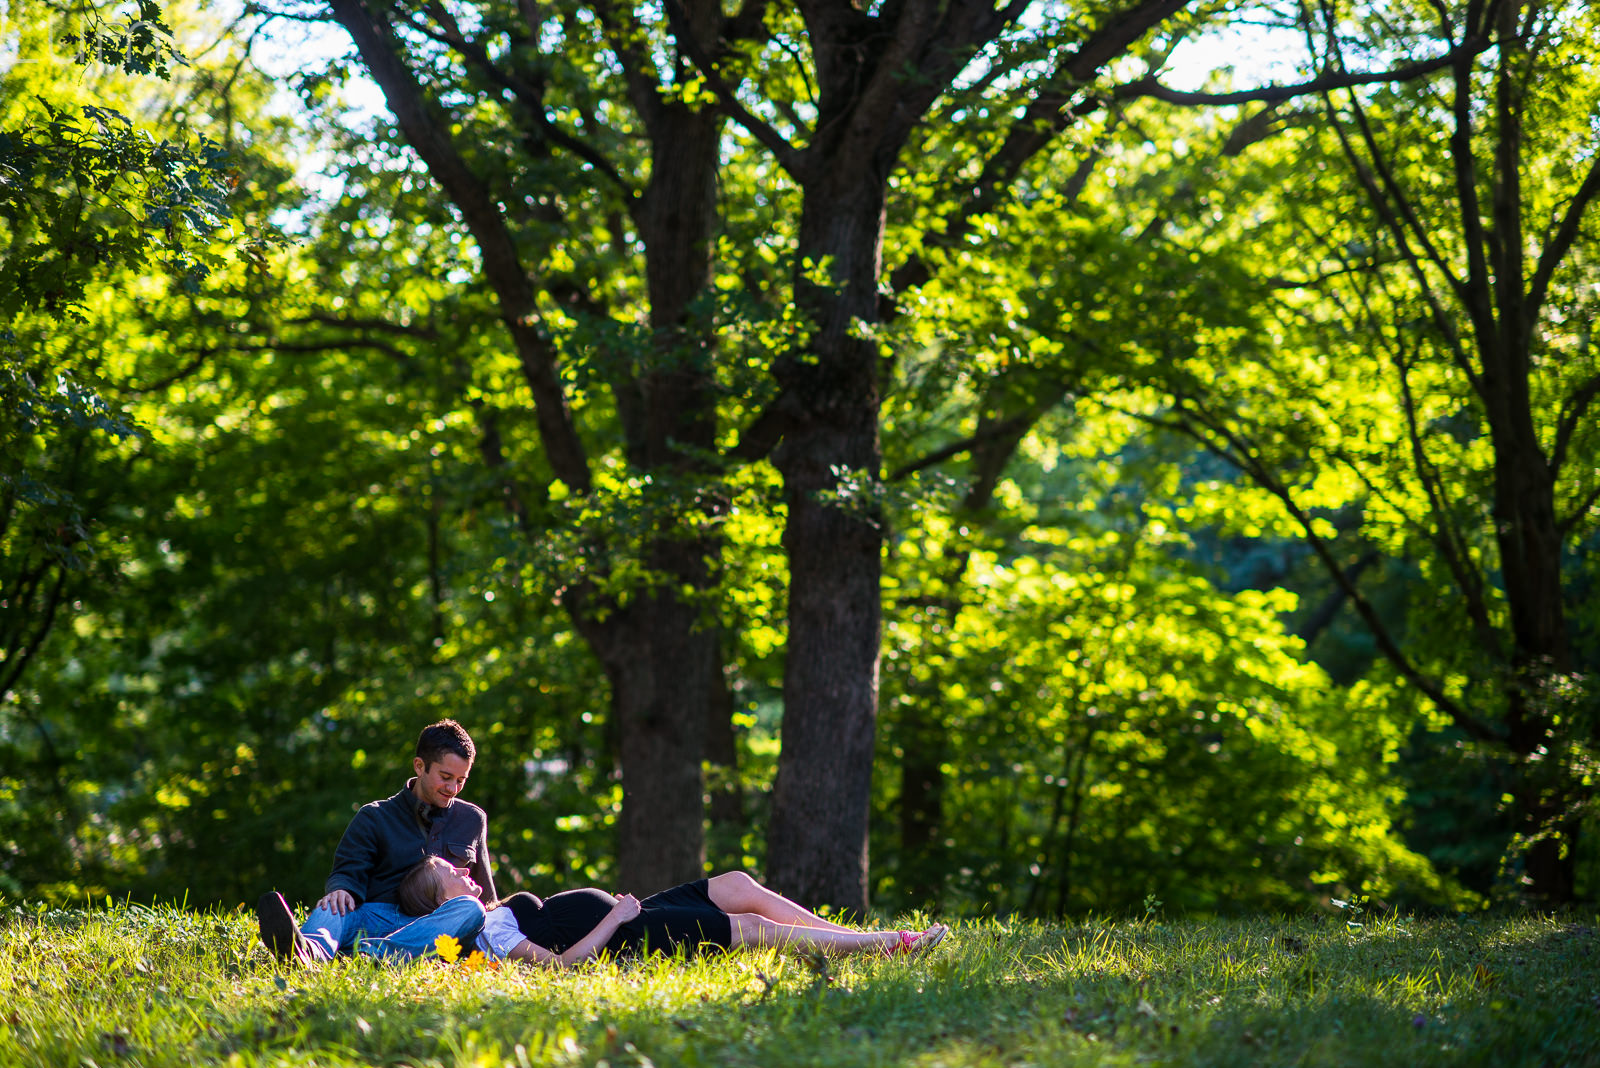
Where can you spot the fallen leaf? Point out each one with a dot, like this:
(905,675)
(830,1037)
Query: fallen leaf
(447,947)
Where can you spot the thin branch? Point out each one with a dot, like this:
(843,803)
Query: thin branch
(1565,526)
(619,23)
(201,356)
(1046,116)
(789,158)
(1313,625)
(1572,412)
(428,132)
(350,322)
(1368,267)
(992,432)
(1403,208)
(1399,231)
(805,75)
(762,436)
(1557,247)
(179,375)
(1238,452)
(1445,538)
(491,448)
(529,95)
(18,662)
(1273,94)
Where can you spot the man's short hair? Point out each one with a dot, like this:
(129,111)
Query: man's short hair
(446,736)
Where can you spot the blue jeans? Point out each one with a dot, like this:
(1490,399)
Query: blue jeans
(381,930)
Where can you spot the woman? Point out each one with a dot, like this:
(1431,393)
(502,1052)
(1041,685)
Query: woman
(726,910)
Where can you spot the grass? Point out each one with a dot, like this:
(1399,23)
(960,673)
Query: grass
(135,986)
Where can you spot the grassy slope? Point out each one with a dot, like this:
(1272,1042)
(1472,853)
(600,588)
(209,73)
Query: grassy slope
(131,986)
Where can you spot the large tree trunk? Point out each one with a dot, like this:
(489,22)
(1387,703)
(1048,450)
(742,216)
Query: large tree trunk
(817,841)
(876,74)
(1527,533)
(658,656)
(659,685)
(666,683)
(1529,541)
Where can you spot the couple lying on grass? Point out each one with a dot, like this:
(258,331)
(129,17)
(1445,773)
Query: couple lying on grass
(416,866)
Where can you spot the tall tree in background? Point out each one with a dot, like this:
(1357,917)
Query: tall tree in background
(1034,222)
(874,77)
(515,111)
(1434,369)
(876,73)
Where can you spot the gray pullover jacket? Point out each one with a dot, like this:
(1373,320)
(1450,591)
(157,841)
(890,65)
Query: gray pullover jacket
(387,838)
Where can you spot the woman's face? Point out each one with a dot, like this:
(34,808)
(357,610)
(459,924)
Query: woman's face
(452,881)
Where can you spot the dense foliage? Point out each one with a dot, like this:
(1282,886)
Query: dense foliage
(1206,434)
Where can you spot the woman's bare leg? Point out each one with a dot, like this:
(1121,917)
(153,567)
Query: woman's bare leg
(752,929)
(735,892)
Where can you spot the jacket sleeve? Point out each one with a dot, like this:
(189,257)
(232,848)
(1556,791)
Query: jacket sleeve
(483,867)
(353,860)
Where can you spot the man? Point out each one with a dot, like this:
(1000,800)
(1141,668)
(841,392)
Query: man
(385,840)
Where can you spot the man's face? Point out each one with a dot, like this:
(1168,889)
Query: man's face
(439,783)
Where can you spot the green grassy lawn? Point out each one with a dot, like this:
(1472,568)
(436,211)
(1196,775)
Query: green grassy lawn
(134,986)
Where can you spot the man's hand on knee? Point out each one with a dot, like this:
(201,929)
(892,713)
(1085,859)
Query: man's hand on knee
(338,902)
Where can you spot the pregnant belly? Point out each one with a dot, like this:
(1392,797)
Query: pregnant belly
(567,917)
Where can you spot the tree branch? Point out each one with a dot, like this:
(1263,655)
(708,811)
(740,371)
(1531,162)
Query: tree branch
(1312,626)
(1557,247)
(1572,412)
(1201,427)
(428,133)
(789,158)
(1566,525)
(1046,116)
(618,23)
(1400,230)
(1445,538)
(983,436)
(350,322)
(1275,94)
(758,439)
(530,95)
(18,661)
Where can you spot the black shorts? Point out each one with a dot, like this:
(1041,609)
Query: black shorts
(682,917)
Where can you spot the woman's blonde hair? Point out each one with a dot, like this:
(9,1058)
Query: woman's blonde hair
(419,890)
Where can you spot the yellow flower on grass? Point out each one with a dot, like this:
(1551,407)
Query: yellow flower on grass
(447,948)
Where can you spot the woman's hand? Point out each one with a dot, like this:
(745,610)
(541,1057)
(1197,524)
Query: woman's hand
(626,908)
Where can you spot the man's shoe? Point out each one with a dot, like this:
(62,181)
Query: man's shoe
(279,932)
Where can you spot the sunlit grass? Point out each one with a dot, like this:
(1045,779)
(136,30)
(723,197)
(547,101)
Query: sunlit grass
(152,987)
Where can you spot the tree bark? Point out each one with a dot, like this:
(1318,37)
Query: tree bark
(817,841)
(876,75)
(658,653)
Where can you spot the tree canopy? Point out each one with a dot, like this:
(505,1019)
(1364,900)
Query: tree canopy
(917,450)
